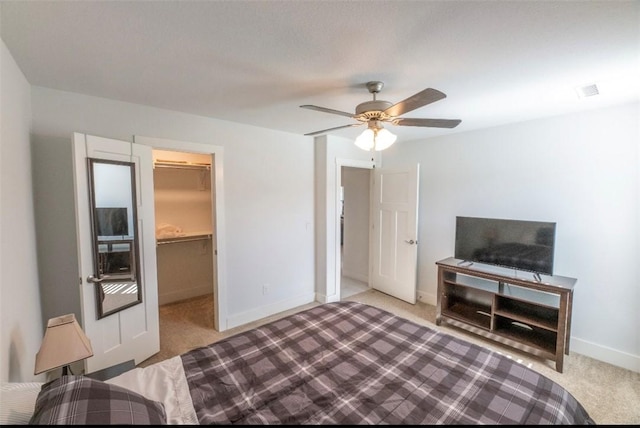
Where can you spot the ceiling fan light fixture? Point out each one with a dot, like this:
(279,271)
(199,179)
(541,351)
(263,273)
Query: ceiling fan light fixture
(375,138)
(384,139)
(365,140)
(377,111)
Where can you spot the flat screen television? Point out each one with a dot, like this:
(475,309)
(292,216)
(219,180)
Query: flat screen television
(518,244)
(112,221)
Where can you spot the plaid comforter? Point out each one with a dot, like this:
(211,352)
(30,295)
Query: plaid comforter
(350,363)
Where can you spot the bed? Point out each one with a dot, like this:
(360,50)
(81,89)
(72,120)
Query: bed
(343,363)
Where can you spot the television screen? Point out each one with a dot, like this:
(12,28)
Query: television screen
(112,221)
(517,244)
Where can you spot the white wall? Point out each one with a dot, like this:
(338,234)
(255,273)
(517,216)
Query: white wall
(268,181)
(579,170)
(21,326)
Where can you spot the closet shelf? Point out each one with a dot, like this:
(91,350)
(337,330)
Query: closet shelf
(180,165)
(197,236)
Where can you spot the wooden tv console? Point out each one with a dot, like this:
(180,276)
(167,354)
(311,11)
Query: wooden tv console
(511,307)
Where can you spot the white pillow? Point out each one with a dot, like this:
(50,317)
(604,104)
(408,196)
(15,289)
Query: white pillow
(17,402)
(166,383)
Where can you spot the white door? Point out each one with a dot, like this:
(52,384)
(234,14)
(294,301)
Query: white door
(133,332)
(394,234)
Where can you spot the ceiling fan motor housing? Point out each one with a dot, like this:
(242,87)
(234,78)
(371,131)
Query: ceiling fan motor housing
(373,109)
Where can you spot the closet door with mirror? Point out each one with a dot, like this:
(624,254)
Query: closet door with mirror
(113,183)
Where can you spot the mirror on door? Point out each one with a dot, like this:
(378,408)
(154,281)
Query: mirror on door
(112,197)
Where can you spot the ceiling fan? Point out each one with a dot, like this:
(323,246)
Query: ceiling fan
(374,112)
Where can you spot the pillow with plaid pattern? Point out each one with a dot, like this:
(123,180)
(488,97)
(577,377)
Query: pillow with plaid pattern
(79,400)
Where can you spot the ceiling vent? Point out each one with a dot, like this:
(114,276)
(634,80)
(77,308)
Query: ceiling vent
(587,91)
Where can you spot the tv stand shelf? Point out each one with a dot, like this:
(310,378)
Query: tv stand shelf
(511,307)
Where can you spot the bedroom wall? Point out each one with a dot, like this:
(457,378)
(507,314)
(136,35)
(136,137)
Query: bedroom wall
(268,179)
(21,327)
(579,170)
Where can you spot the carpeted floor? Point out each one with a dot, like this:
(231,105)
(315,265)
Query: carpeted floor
(610,394)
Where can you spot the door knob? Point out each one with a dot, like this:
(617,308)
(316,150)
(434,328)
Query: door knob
(92,278)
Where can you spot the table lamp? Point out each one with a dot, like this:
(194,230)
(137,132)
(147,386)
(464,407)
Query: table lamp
(64,343)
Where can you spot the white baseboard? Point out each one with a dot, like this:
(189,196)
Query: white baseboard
(323,298)
(605,354)
(268,310)
(425,297)
(357,276)
(176,296)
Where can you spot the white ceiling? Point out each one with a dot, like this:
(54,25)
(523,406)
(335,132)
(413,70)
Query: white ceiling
(256,62)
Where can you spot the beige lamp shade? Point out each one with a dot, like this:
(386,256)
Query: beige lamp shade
(64,343)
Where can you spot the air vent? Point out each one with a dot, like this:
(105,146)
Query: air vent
(587,91)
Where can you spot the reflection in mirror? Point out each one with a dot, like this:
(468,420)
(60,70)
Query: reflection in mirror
(115,237)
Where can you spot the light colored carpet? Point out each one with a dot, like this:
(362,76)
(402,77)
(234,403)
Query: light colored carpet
(610,394)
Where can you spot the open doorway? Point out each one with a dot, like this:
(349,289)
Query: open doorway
(354,230)
(215,156)
(393,229)
(184,206)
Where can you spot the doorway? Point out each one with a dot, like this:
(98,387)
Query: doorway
(354,230)
(393,229)
(217,226)
(184,203)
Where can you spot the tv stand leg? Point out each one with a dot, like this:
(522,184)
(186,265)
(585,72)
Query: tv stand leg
(568,333)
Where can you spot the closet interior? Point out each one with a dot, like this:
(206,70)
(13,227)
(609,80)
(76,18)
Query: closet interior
(185,229)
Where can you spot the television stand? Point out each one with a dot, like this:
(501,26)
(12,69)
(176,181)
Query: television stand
(527,312)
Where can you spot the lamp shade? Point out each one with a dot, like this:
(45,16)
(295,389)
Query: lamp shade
(64,343)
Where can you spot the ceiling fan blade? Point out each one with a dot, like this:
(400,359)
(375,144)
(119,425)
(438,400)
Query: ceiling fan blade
(327,110)
(324,131)
(418,100)
(431,123)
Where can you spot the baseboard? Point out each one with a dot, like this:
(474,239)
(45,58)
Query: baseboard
(605,354)
(426,297)
(323,298)
(357,276)
(176,296)
(268,310)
